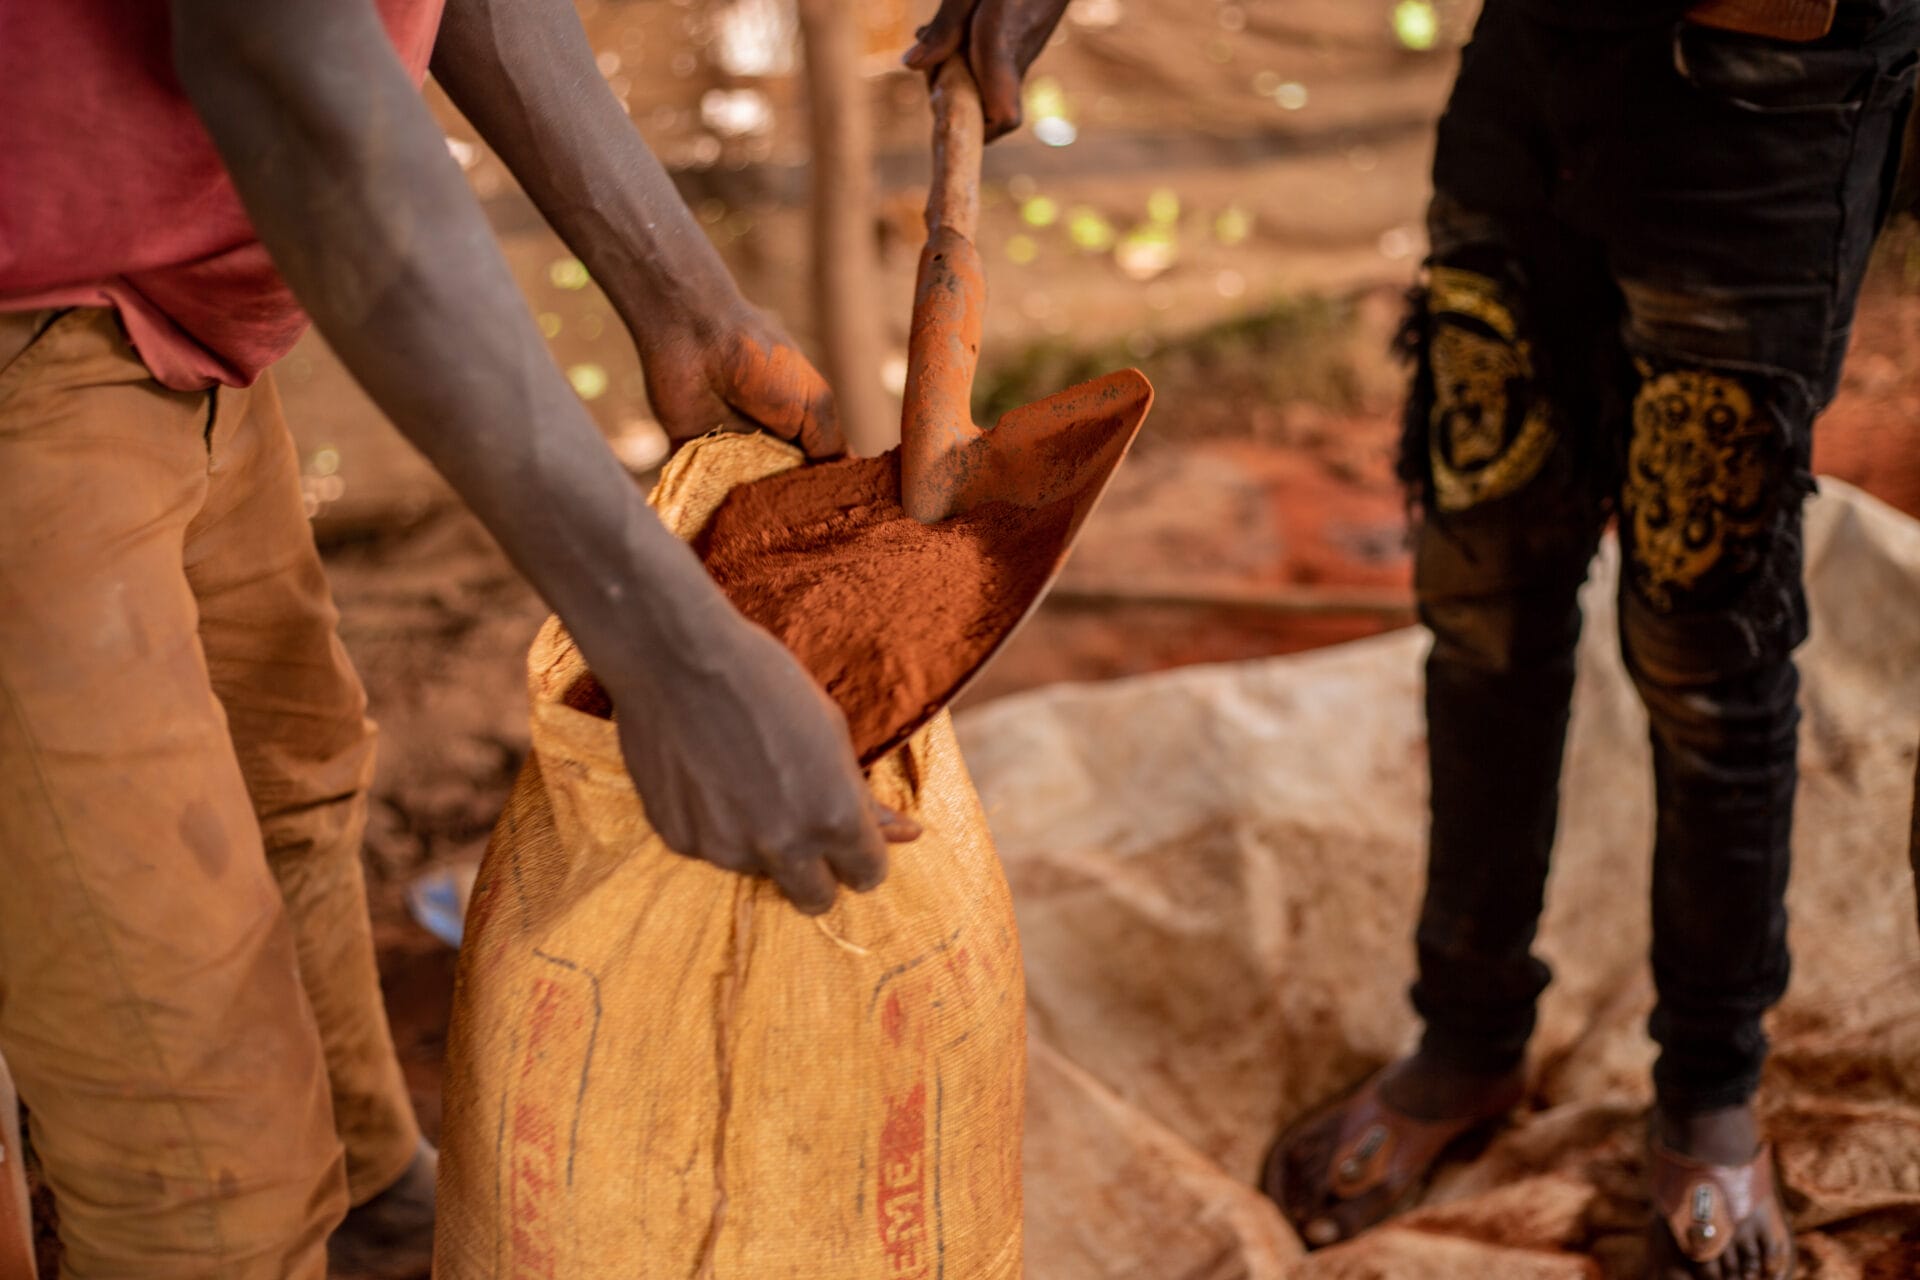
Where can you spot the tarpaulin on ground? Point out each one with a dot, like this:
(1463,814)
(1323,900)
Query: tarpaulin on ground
(1216,873)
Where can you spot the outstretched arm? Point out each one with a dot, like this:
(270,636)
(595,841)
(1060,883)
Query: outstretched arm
(523,73)
(738,756)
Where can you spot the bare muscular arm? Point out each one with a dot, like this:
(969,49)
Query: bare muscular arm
(742,760)
(523,73)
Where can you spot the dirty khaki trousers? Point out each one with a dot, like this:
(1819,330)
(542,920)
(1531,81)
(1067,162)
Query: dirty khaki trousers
(188,999)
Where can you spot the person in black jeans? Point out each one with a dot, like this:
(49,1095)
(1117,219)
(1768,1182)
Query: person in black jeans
(1647,239)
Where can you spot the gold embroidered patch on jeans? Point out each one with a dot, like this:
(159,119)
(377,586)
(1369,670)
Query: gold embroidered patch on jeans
(1488,433)
(1700,480)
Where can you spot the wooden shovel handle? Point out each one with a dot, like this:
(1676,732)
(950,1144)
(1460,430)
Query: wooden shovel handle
(959,134)
(943,349)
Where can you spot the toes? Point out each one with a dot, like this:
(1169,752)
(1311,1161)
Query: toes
(1777,1254)
(1355,1216)
(1303,1173)
(1299,1178)
(1341,1221)
(1674,1269)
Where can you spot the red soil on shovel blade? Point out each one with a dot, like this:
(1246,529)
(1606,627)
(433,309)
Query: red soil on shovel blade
(890,615)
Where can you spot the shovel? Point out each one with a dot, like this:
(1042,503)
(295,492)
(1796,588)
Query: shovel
(1060,450)
(1067,445)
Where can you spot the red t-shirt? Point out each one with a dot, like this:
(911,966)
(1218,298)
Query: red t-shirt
(111,192)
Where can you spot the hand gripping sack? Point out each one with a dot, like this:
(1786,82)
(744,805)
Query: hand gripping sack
(658,1068)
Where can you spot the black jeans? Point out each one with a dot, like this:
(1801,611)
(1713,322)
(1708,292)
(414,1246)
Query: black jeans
(1646,250)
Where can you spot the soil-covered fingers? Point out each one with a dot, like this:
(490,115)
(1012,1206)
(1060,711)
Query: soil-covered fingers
(818,438)
(770,384)
(807,416)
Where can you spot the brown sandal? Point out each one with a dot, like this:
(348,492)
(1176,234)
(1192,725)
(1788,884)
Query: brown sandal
(1701,1205)
(1378,1153)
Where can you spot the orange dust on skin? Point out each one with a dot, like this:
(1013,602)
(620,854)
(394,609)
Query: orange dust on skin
(776,377)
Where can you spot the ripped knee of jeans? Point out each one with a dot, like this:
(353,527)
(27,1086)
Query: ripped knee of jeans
(1477,427)
(1710,504)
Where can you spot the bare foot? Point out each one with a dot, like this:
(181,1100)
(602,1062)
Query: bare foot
(1728,1136)
(1427,1104)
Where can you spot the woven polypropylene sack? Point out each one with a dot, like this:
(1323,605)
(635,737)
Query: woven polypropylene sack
(658,1068)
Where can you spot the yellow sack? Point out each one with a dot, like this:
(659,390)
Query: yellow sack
(660,1069)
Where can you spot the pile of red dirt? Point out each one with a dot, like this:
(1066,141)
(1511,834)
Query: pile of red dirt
(890,615)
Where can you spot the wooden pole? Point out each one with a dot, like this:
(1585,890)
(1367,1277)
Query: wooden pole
(846,291)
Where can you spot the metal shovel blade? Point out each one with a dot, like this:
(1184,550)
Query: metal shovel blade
(1067,446)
